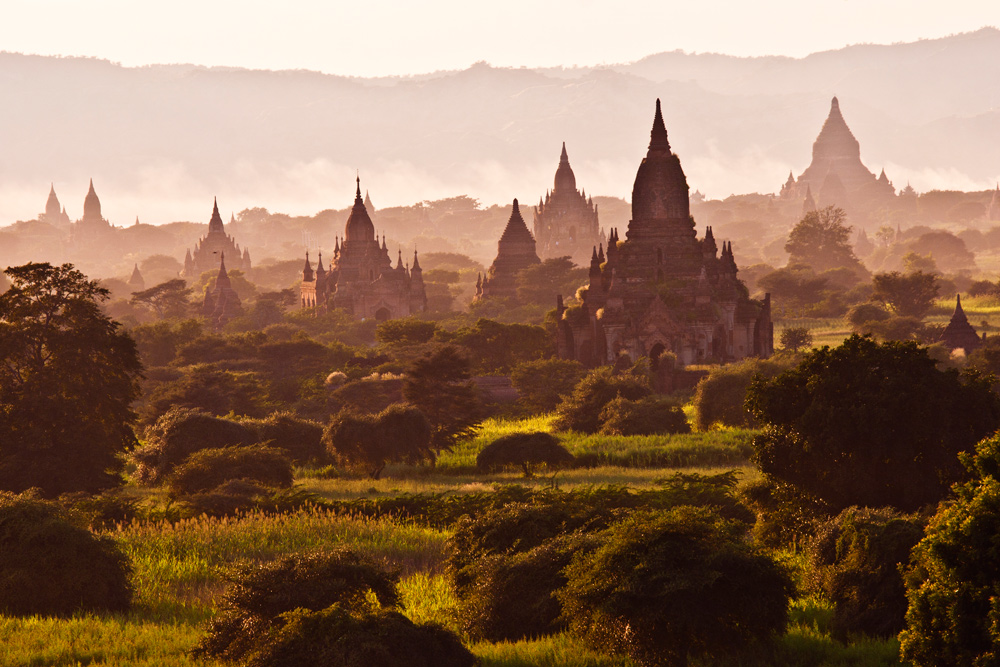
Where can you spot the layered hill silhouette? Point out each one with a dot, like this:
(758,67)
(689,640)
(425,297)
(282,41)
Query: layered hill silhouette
(169,136)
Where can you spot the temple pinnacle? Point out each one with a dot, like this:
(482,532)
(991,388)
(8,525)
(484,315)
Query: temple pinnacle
(658,135)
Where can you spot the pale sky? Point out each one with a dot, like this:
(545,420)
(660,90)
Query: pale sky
(384,37)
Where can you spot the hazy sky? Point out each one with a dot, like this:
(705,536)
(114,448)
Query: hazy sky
(378,37)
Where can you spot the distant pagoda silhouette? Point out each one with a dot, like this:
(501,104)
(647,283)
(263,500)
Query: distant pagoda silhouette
(361,279)
(208,252)
(565,222)
(515,251)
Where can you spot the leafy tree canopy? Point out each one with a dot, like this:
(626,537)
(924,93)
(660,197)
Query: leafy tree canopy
(870,424)
(822,240)
(68,375)
(910,294)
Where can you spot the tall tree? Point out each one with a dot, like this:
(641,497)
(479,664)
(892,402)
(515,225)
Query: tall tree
(910,295)
(68,376)
(439,385)
(821,240)
(872,424)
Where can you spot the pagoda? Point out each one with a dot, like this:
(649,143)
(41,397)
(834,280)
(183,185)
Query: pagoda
(565,222)
(208,252)
(221,303)
(515,252)
(361,279)
(662,289)
(959,333)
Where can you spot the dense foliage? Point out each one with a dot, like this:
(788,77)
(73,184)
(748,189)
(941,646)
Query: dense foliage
(720,397)
(855,559)
(870,424)
(647,416)
(209,469)
(49,565)
(438,384)
(68,376)
(397,434)
(524,450)
(581,410)
(953,582)
(668,586)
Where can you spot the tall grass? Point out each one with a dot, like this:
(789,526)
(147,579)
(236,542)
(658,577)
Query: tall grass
(180,568)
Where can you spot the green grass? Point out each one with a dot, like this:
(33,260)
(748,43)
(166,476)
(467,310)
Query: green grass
(728,447)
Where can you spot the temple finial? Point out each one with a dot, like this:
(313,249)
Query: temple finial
(658,135)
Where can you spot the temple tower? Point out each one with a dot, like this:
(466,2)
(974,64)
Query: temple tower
(515,251)
(565,222)
(208,252)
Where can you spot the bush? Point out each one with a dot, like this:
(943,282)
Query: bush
(341,637)
(542,384)
(300,439)
(103,511)
(399,433)
(240,496)
(581,410)
(855,559)
(51,566)
(786,516)
(181,432)
(524,450)
(648,416)
(666,586)
(953,580)
(333,608)
(210,468)
(514,596)
(369,395)
(871,424)
(720,397)
(862,314)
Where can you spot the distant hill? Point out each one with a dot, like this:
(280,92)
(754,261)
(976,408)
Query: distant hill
(160,141)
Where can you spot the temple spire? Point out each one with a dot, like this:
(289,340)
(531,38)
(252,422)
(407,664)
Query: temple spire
(358,195)
(564,158)
(658,142)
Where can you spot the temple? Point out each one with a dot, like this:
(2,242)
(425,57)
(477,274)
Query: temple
(207,255)
(135,282)
(361,279)
(92,228)
(515,251)
(55,214)
(959,333)
(565,221)
(661,289)
(836,176)
(221,303)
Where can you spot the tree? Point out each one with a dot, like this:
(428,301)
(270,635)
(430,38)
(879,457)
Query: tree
(495,347)
(581,410)
(667,586)
(524,450)
(720,397)
(68,375)
(796,338)
(404,331)
(953,581)
(539,284)
(821,240)
(910,295)
(169,299)
(399,433)
(870,424)
(49,565)
(541,384)
(438,384)
(854,561)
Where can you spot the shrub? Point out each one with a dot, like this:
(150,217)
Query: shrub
(179,433)
(369,395)
(341,637)
(581,410)
(439,385)
(863,314)
(871,424)
(514,596)
(399,433)
(524,450)
(953,580)
(329,608)
(668,585)
(300,439)
(647,416)
(855,559)
(796,338)
(102,511)
(786,516)
(541,384)
(210,468)
(240,496)
(51,566)
(720,397)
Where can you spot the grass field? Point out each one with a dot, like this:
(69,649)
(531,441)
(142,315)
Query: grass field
(181,568)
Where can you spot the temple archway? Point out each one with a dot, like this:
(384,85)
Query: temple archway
(382,314)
